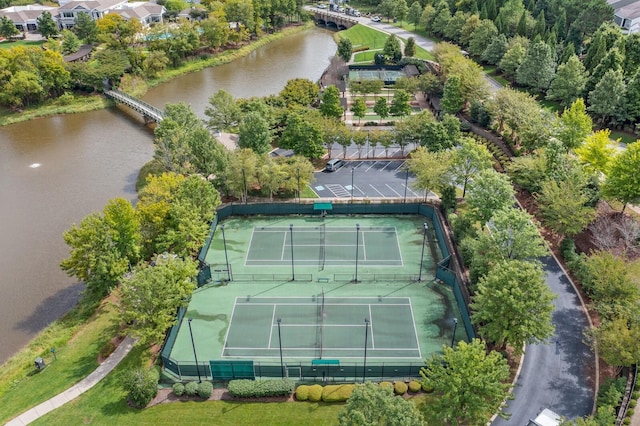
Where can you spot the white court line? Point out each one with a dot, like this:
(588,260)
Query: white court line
(374,188)
(273,315)
(310,348)
(373,343)
(284,245)
(326,304)
(226,336)
(364,250)
(246,256)
(414,328)
(399,250)
(388,186)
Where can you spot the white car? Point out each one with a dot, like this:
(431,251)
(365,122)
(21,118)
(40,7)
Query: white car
(375,19)
(322,6)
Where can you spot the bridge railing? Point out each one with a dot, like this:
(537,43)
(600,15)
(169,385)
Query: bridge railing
(135,102)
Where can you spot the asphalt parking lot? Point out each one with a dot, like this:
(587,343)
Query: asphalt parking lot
(367,178)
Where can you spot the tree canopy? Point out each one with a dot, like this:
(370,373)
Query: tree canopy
(371,404)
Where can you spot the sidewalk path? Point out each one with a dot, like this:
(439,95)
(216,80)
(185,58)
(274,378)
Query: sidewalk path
(79,388)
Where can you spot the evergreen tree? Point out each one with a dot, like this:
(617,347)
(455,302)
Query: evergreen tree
(521,30)
(392,48)
(568,51)
(496,49)
(512,60)
(400,10)
(541,25)
(482,37)
(47,27)
(414,14)
(442,18)
(537,68)
(569,82)
(633,98)
(345,49)
(632,54)
(7,28)
(561,24)
(452,99)
(492,10)
(612,61)
(608,100)
(330,104)
(85,28)
(410,47)
(596,52)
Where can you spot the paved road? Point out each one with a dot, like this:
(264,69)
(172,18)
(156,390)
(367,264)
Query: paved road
(371,178)
(557,374)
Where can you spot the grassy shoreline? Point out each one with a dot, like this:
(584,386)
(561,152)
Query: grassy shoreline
(94,102)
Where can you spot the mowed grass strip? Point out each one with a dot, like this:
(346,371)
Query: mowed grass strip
(77,342)
(361,35)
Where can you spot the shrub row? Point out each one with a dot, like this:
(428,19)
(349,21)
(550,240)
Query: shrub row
(260,388)
(203,390)
(341,393)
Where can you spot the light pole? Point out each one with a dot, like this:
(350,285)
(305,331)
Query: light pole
(299,185)
(406,181)
(279,320)
(366,338)
(194,349)
(293,272)
(455,327)
(424,240)
(357,245)
(352,186)
(226,256)
(244,179)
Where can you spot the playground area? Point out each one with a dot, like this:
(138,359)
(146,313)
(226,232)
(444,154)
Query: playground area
(318,290)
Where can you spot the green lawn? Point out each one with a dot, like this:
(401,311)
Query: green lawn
(10,44)
(76,350)
(361,35)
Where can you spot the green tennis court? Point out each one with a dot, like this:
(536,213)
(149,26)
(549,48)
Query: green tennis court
(382,74)
(324,246)
(320,327)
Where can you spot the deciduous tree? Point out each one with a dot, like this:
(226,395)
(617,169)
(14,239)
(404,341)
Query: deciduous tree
(575,125)
(469,159)
(8,28)
(607,101)
(371,404)
(430,169)
(381,108)
(569,82)
(400,104)
(151,296)
(597,152)
(452,99)
(359,108)
(469,381)
(47,27)
(85,28)
(345,49)
(489,192)
(562,206)
(300,91)
(538,67)
(223,111)
(623,179)
(254,133)
(513,305)
(414,14)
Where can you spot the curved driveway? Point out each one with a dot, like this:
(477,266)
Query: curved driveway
(560,373)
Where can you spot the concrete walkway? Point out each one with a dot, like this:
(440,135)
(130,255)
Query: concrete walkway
(78,389)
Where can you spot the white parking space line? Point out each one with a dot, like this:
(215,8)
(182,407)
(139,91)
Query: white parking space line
(372,164)
(388,186)
(374,188)
(362,193)
(387,165)
(400,165)
(412,191)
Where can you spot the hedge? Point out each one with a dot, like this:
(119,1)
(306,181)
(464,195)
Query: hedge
(400,388)
(302,393)
(337,393)
(260,388)
(414,387)
(386,385)
(315,393)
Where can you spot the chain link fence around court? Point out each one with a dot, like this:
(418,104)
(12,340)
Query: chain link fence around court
(447,272)
(305,372)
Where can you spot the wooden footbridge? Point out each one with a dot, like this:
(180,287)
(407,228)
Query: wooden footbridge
(149,112)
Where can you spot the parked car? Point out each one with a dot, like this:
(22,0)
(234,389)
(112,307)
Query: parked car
(333,165)
(375,19)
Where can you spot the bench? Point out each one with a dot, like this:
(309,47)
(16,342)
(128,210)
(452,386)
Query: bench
(323,279)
